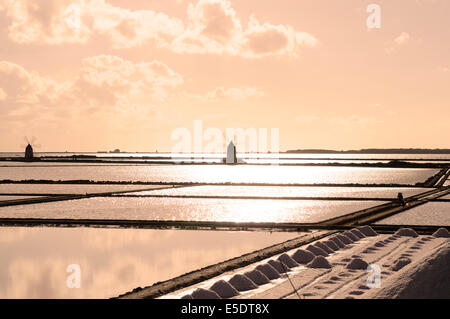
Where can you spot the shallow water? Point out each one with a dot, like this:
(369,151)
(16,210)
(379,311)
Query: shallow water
(433,213)
(69,188)
(189,209)
(112,261)
(222,174)
(286,191)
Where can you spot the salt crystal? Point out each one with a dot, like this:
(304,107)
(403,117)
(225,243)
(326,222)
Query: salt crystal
(319,262)
(287,260)
(442,232)
(303,256)
(357,263)
(224,289)
(201,293)
(242,283)
(406,232)
(269,271)
(317,251)
(257,277)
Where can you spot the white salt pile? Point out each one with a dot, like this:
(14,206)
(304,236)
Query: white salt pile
(269,271)
(337,241)
(319,262)
(357,263)
(344,239)
(287,260)
(317,251)
(367,230)
(224,289)
(406,232)
(257,277)
(201,293)
(442,232)
(303,256)
(331,245)
(242,283)
(323,247)
(351,236)
(281,268)
(400,263)
(187,297)
(357,233)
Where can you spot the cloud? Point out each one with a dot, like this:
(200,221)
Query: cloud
(104,82)
(236,94)
(211,27)
(25,88)
(402,38)
(215,28)
(45,21)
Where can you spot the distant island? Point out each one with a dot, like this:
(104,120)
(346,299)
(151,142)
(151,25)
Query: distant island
(375,151)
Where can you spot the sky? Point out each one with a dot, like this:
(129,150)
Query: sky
(91,75)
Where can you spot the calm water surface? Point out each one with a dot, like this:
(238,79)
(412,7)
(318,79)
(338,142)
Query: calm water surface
(189,209)
(222,174)
(33,261)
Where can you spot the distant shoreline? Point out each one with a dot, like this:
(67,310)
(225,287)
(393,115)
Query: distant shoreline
(374,151)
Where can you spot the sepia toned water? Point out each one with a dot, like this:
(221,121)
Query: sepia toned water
(34,260)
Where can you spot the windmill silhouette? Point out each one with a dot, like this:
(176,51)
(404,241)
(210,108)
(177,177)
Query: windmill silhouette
(30,147)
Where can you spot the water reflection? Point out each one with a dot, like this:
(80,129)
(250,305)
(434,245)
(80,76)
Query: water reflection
(191,209)
(222,174)
(112,261)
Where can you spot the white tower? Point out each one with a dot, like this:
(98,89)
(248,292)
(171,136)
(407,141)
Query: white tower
(231,154)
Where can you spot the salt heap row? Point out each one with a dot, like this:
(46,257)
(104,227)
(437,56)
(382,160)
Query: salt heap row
(312,257)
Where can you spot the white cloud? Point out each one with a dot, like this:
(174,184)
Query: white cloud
(399,41)
(103,83)
(233,93)
(403,38)
(212,26)
(215,28)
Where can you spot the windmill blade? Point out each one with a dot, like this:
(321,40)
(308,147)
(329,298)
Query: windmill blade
(25,138)
(33,140)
